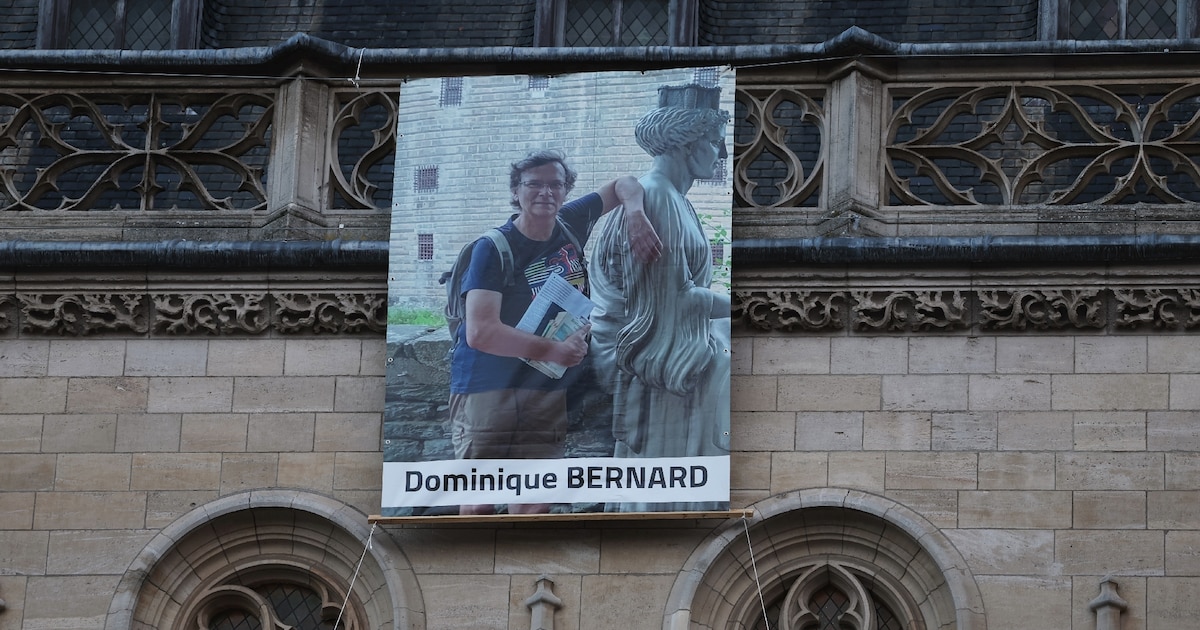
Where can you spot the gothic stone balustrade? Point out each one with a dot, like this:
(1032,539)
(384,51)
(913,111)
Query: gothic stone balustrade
(870,147)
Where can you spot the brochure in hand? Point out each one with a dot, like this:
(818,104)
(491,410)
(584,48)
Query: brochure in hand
(557,311)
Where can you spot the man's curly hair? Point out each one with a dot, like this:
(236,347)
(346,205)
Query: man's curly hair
(537,158)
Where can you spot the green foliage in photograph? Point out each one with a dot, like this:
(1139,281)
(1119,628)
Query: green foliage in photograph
(418,316)
(722,242)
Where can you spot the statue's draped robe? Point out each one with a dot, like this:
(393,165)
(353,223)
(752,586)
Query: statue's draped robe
(654,343)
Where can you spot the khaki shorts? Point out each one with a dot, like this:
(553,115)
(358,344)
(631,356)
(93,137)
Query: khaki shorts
(509,424)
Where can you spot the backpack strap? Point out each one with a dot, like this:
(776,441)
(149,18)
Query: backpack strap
(506,255)
(570,234)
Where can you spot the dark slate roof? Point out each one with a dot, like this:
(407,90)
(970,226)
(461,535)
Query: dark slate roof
(18,28)
(478,23)
(734,22)
(371,23)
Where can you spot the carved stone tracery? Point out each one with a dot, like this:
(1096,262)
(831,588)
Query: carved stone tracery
(308,599)
(838,595)
(1051,144)
(363,141)
(142,150)
(778,147)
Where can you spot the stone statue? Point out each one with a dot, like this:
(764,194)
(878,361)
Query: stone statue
(660,334)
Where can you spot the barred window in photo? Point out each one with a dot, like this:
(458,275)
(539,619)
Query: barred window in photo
(452,92)
(424,247)
(425,179)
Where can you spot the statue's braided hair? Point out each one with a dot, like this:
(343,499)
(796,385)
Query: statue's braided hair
(667,128)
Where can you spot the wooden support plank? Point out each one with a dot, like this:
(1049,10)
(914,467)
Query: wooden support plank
(542,518)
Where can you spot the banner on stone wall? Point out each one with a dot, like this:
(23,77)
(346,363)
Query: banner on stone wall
(590,369)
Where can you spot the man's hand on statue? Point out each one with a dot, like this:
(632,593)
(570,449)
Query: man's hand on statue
(643,240)
(570,351)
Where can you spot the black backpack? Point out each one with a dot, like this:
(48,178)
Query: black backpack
(456,310)
(456,305)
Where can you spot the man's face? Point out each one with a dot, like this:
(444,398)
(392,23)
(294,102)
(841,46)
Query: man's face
(542,189)
(705,154)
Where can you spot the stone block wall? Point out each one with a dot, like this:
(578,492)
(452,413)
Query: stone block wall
(103,442)
(1049,461)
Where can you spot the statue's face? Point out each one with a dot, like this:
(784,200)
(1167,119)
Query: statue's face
(542,190)
(705,154)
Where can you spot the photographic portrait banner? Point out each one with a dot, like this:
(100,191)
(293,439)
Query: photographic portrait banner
(488,167)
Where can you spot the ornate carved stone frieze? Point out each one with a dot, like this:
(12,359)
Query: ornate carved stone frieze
(790,310)
(330,312)
(207,313)
(214,313)
(83,314)
(909,310)
(1041,309)
(5,319)
(862,311)
(1160,308)
(1016,310)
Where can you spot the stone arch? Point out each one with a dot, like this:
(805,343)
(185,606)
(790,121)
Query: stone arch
(267,534)
(892,547)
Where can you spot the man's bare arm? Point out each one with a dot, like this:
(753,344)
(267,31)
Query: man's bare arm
(486,333)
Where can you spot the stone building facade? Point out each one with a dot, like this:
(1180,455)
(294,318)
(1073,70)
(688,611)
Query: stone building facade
(965,295)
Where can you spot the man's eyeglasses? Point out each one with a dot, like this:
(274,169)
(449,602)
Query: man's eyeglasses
(557,188)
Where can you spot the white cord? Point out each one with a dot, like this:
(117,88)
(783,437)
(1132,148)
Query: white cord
(353,578)
(754,566)
(358,70)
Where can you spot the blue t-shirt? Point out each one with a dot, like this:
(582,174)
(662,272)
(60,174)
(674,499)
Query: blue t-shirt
(474,371)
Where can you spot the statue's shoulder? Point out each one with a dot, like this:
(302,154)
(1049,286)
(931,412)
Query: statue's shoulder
(658,189)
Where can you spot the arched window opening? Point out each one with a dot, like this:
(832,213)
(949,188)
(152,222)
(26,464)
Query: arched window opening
(831,605)
(263,569)
(273,605)
(896,570)
(266,561)
(885,619)
(833,596)
(235,620)
(273,597)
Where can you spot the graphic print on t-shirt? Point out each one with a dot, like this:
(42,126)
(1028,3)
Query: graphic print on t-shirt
(564,262)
